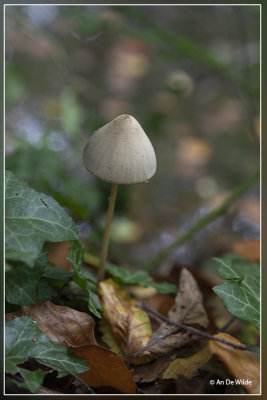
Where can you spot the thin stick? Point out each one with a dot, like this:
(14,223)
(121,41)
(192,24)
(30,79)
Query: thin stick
(236,193)
(226,326)
(191,329)
(104,250)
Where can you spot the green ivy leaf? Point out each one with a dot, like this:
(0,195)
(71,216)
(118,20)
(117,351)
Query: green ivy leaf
(32,379)
(86,281)
(240,293)
(124,276)
(23,339)
(227,270)
(22,285)
(31,219)
(57,273)
(241,266)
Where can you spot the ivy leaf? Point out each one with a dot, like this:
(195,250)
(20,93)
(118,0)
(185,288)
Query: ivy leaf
(227,270)
(86,281)
(22,285)
(239,264)
(57,273)
(240,293)
(124,276)
(23,339)
(31,219)
(32,379)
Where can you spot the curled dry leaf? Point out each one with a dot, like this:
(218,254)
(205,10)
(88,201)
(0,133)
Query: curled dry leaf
(189,310)
(249,249)
(129,324)
(75,330)
(243,365)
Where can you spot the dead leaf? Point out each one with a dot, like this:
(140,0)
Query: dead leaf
(107,369)
(58,253)
(249,249)
(154,369)
(243,365)
(75,330)
(188,309)
(108,337)
(187,366)
(63,325)
(129,324)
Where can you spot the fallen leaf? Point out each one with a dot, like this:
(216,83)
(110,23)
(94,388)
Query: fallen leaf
(243,365)
(129,324)
(108,337)
(249,249)
(187,366)
(154,369)
(75,330)
(188,309)
(63,325)
(107,369)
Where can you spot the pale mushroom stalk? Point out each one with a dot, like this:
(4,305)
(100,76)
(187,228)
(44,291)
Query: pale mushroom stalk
(104,249)
(120,153)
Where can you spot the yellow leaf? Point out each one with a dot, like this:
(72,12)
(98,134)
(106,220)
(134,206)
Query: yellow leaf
(243,365)
(108,337)
(129,324)
(187,366)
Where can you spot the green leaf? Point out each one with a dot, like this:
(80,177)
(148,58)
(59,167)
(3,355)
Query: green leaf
(31,219)
(86,281)
(32,379)
(22,285)
(124,276)
(57,273)
(23,339)
(226,270)
(241,293)
(241,266)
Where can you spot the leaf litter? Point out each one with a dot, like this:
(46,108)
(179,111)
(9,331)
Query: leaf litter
(75,330)
(168,353)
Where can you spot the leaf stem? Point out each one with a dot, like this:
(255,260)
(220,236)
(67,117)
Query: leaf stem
(191,329)
(236,193)
(104,250)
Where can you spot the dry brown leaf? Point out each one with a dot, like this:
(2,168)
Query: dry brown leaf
(75,330)
(243,365)
(63,325)
(153,370)
(107,369)
(129,324)
(249,249)
(188,309)
(187,366)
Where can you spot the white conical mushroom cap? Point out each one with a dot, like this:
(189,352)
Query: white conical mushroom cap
(120,152)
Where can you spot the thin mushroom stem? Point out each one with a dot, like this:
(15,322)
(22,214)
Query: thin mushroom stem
(104,250)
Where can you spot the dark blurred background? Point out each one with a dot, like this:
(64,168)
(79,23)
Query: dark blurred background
(189,74)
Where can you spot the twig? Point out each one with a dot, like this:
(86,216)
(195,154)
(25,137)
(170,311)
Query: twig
(193,330)
(236,193)
(224,327)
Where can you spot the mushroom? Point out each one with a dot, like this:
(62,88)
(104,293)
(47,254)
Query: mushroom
(121,153)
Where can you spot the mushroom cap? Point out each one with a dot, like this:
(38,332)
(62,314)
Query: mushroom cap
(120,152)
